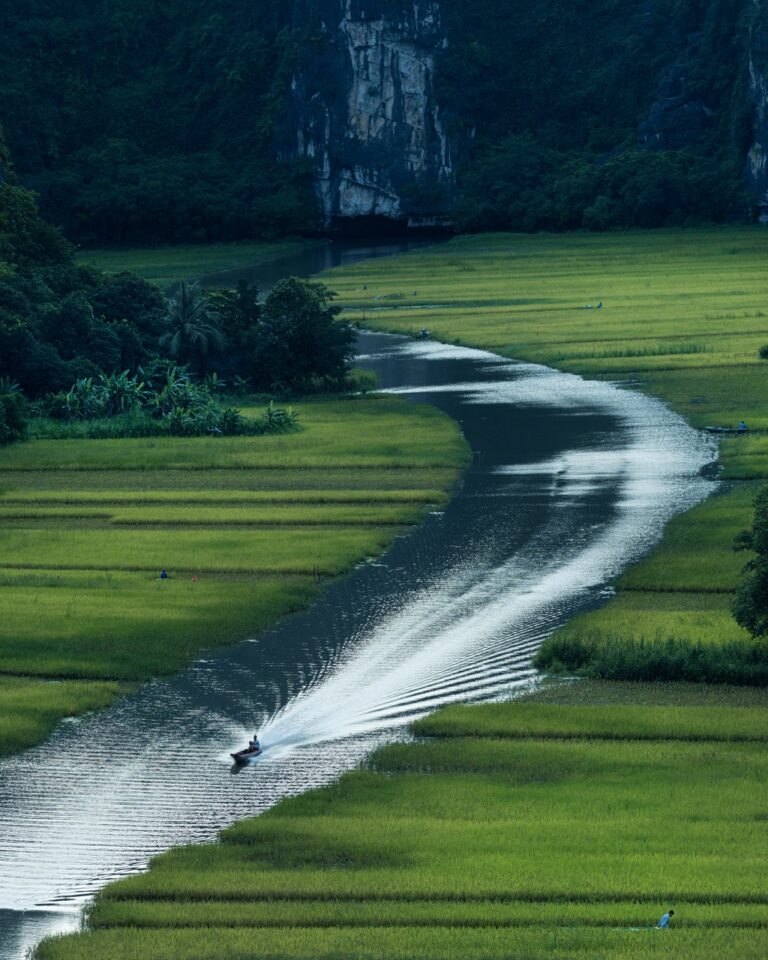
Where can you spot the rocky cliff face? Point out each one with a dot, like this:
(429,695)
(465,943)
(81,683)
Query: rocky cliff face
(363,111)
(756,172)
(677,118)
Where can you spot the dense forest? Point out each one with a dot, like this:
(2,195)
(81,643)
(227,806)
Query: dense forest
(148,121)
(599,113)
(85,345)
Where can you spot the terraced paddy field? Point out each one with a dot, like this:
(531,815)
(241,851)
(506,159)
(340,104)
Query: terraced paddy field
(680,314)
(535,829)
(248,528)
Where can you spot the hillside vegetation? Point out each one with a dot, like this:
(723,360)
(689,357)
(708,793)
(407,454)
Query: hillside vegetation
(164,122)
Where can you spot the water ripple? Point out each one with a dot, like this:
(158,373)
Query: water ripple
(572,481)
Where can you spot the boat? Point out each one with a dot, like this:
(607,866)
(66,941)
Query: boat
(250,753)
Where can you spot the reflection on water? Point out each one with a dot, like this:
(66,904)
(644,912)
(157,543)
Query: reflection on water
(571,481)
(316,258)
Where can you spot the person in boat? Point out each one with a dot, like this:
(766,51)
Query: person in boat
(254,744)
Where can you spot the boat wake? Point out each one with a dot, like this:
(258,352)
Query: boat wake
(572,481)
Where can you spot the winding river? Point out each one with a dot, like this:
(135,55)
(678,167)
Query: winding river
(571,481)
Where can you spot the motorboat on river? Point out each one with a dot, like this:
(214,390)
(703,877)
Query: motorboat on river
(253,750)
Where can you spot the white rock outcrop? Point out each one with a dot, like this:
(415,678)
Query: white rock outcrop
(364,113)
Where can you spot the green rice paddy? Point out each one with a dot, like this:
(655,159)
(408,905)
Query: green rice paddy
(564,825)
(167,265)
(248,528)
(683,314)
(525,830)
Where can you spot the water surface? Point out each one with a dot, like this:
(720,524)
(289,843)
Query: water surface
(571,481)
(314,259)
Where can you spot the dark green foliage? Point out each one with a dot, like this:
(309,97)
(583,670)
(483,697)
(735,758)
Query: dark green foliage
(552,101)
(63,324)
(13,413)
(750,606)
(299,343)
(60,322)
(151,122)
(168,403)
(207,420)
(191,332)
(622,658)
(27,242)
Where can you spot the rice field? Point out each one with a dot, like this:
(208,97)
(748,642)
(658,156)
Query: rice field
(167,265)
(680,314)
(561,826)
(248,528)
(527,830)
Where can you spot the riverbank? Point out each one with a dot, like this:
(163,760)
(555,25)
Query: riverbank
(249,529)
(531,829)
(677,313)
(548,828)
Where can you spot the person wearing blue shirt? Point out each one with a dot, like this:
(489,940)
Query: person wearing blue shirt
(664,922)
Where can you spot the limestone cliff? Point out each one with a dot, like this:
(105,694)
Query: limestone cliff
(362,109)
(677,117)
(756,172)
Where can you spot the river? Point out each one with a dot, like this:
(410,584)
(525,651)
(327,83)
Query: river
(571,481)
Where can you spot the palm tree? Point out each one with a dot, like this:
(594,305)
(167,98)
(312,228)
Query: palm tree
(191,324)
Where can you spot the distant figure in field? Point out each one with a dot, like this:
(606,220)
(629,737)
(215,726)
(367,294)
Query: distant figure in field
(742,427)
(163,575)
(600,305)
(664,922)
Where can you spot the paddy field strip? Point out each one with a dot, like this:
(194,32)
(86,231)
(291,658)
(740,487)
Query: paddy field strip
(524,830)
(683,314)
(167,265)
(248,528)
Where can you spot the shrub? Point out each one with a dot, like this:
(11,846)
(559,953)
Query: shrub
(13,421)
(619,658)
(750,605)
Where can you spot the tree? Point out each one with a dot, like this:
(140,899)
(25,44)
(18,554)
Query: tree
(13,423)
(192,330)
(26,240)
(750,605)
(299,340)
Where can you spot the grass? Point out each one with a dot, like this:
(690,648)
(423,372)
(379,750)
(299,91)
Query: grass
(529,829)
(684,560)
(625,722)
(683,316)
(167,265)
(547,828)
(248,528)
(431,943)
(30,709)
(336,435)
